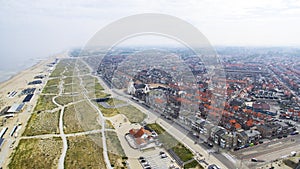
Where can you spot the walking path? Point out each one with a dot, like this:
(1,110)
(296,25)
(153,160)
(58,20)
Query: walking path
(61,125)
(102,118)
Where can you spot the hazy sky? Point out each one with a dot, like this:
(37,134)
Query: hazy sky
(39,28)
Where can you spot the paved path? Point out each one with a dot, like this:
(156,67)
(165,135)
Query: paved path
(102,118)
(61,125)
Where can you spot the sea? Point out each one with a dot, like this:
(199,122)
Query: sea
(10,66)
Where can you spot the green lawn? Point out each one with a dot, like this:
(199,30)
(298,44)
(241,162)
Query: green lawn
(157,128)
(133,114)
(169,142)
(182,152)
(98,85)
(36,154)
(192,165)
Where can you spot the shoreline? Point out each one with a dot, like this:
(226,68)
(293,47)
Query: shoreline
(19,72)
(35,65)
(17,83)
(30,68)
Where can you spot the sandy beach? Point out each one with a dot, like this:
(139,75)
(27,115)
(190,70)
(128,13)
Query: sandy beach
(17,83)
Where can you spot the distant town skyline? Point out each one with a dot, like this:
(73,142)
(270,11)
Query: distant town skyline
(32,28)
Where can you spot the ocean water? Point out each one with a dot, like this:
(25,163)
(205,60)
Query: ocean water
(10,66)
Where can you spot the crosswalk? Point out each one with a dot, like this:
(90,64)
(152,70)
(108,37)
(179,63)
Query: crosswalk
(229,157)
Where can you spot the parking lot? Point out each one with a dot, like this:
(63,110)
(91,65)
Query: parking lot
(157,159)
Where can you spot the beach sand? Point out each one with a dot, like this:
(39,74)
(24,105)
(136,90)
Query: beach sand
(18,83)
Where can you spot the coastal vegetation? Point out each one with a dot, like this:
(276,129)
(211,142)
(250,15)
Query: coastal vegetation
(87,116)
(44,102)
(84,152)
(42,123)
(169,142)
(71,123)
(37,153)
(115,151)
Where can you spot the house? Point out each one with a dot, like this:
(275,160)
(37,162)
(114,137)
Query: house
(140,138)
(260,107)
(222,137)
(242,138)
(252,135)
(140,133)
(133,88)
(198,124)
(228,140)
(284,128)
(268,130)
(216,133)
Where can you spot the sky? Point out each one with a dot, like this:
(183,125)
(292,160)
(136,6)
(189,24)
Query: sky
(41,28)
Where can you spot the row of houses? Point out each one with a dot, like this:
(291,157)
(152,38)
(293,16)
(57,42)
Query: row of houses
(231,139)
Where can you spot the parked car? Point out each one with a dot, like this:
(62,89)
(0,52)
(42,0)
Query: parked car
(163,154)
(210,144)
(254,160)
(295,132)
(213,166)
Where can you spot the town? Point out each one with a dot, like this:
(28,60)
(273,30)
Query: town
(261,104)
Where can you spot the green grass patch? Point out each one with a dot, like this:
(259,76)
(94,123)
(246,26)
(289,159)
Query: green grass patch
(108,112)
(37,153)
(71,123)
(53,82)
(83,68)
(193,164)
(133,114)
(64,100)
(101,94)
(65,67)
(44,102)
(42,123)
(98,85)
(50,90)
(68,80)
(108,124)
(113,143)
(169,142)
(182,152)
(115,102)
(84,152)
(115,150)
(157,128)
(87,116)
